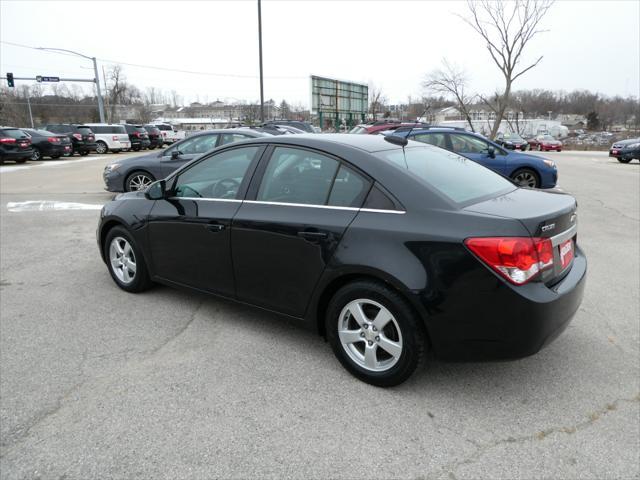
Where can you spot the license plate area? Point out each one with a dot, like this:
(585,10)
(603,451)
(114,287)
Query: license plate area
(566,250)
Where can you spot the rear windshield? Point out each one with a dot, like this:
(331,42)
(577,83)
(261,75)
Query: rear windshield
(358,129)
(151,129)
(140,129)
(85,130)
(458,178)
(513,136)
(13,133)
(164,127)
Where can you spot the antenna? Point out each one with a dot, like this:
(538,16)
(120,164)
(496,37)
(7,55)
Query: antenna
(414,125)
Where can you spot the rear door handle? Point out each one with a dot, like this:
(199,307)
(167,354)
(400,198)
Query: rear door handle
(215,228)
(313,235)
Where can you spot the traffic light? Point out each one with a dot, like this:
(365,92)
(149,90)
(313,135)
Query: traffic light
(10,79)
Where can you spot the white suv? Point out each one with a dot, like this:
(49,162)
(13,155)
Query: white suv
(168,133)
(110,137)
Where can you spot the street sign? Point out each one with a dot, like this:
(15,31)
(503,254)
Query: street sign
(40,78)
(10,81)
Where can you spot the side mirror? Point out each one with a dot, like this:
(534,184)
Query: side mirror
(491,152)
(175,154)
(156,191)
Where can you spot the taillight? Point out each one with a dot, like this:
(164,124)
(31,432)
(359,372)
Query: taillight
(53,140)
(114,138)
(78,136)
(7,140)
(518,259)
(136,134)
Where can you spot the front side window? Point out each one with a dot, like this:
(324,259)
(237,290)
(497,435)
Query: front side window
(297,176)
(231,138)
(195,145)
(219,176)
(468,144)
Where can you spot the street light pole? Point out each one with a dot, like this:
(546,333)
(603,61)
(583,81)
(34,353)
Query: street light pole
(95,72)
(260,54)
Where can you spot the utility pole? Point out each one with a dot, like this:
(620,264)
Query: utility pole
(30,114)
(260,54)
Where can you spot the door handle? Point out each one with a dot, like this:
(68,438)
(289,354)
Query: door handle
(313,235)
(215,228)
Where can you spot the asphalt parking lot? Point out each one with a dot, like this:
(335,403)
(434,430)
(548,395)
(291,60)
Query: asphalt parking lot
(97,383)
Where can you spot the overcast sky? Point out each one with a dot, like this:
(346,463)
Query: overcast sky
(590,45)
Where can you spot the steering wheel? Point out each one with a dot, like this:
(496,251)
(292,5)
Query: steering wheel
(187,187)
(224,187)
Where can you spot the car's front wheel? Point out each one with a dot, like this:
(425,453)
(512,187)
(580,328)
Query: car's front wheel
(138,181)
(374,333)
(526,177)
(84,153)
(125,261)
(101,148)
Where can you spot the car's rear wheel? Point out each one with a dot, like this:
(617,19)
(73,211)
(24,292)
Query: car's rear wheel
(125,261)
(36,155)
(526,177)
(374,333)
(624,160)
(101,148)
(22,160)
(84,153)
(138,181)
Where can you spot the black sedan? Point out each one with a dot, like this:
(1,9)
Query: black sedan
(137,173)
(389,250)
(48,144)
(626,150)
(512,141)
(15,145)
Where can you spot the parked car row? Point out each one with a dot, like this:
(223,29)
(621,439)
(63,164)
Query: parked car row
(55,140)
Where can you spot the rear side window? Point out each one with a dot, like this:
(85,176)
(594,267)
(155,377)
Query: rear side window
(379,200)
(100,129)
(297,176)
(437,139)
(456,177)
(349,188)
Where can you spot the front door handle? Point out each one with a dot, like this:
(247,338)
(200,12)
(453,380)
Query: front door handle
(313,236)
(215,228)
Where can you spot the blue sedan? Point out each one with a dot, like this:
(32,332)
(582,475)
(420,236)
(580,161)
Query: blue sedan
(524,169)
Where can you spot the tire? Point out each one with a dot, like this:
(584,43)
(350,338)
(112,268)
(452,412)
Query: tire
(55,157)
(136,149)
(101,148)
(525,177)
(125,261)
(84,153)
(22,160)
(138,178)
(402,332)
(37,155)
(624,160)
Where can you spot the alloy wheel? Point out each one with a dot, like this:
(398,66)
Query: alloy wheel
(101,148)
(123,260)
(370,335)
(36,155)
(139,182)
(526,179)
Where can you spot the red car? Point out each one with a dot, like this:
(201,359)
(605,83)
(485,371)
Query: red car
(545,143)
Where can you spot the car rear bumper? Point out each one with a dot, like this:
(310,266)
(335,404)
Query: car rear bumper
(510,322)
(85,147)
(56,150)
(550,148)
(17,155)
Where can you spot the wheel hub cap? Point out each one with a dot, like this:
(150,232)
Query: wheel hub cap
(370,335)
(122,259)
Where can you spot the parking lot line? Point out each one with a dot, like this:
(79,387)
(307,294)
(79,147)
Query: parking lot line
(51,163)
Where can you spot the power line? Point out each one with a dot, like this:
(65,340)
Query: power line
(165,69)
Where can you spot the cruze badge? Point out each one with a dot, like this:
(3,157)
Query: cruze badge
(546,228)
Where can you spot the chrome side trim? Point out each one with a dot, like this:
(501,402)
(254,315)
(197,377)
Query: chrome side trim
(566,235)
(233,200)
(376,210)
(284,204)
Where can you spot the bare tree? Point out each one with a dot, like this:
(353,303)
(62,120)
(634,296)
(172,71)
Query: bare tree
(507,28)
(451,80)
(377,101)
